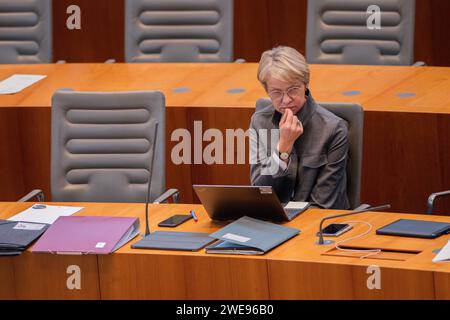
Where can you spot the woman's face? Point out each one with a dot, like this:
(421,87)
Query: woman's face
(286,95)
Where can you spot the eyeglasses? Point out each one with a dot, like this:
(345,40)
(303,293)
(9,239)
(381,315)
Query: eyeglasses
(292,92)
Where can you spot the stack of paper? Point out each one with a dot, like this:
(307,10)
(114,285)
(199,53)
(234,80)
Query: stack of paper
(18,82)
(444,254)
(44,213)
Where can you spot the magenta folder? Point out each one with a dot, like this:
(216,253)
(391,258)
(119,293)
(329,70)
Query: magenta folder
(87,235)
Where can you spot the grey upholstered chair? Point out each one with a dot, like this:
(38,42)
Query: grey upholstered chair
(353,114)
(337,32)
(102,146)
(25,31)
(178,30)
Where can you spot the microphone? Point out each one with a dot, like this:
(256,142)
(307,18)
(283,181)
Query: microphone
(147,200)
(360,209)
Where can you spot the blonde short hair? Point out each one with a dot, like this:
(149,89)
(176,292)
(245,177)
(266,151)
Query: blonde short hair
(283,63)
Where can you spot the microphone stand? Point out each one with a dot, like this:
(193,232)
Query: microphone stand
(147,200)
(321,241)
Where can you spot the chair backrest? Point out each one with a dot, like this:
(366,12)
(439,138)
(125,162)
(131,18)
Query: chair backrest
(178,30)
(25,31)
(102,146)
(337,32)
(353,114)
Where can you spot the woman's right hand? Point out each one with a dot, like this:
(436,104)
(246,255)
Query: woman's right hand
(290,129)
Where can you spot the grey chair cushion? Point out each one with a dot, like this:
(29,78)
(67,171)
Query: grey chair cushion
(337,32)
(178,30)
(102,146)
(25,31)
(353,114)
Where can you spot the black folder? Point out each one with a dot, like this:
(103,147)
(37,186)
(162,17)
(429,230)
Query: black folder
(16,236)
(173,240)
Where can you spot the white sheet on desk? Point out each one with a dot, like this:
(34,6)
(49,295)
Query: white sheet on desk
(18,82)
(47,215)
(296,205)
(444,254)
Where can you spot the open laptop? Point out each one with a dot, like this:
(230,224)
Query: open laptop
(230,202)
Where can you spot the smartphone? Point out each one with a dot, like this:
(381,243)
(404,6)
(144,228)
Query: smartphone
(175,220)
(335,229)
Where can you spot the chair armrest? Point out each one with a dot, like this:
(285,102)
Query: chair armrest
(110,61)
(419,64)
(432,197)
(174,193)
(39,194)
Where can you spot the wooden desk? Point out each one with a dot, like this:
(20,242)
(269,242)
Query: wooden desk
(406,139)
(298,269)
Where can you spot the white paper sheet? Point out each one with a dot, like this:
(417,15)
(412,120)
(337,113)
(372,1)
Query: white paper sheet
(296,205)
(18,82)
(47,214)
(444,254)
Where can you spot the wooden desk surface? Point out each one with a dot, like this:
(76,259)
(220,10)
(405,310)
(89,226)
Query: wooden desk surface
(377,88)
(298,269)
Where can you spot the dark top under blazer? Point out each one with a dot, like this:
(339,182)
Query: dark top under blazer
(317,168)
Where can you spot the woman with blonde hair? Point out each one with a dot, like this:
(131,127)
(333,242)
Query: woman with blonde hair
(311,153)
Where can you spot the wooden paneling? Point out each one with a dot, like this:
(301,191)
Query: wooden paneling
(35,133)
(431,43)
(394,284)
(11,158)
(7,287)
(101,36)
(309,281)
(262,24)
(404,155)
(251,29)
(326,281)
(178,277)
(44,276)
(442,283)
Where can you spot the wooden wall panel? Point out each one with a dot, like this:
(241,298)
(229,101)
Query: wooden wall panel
(44,276)
(442,285)
(405,159)
(11,160)
(35,138)
(305,280)
(262,24)
(7,289)
(251,29)
(101,36)
(179,277)
(431,41)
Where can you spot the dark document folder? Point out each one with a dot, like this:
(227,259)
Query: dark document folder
(15,236)
(415,228)
(250,236)
(173,240)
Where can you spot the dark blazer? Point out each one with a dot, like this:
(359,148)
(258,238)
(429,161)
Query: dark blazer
(317,167)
